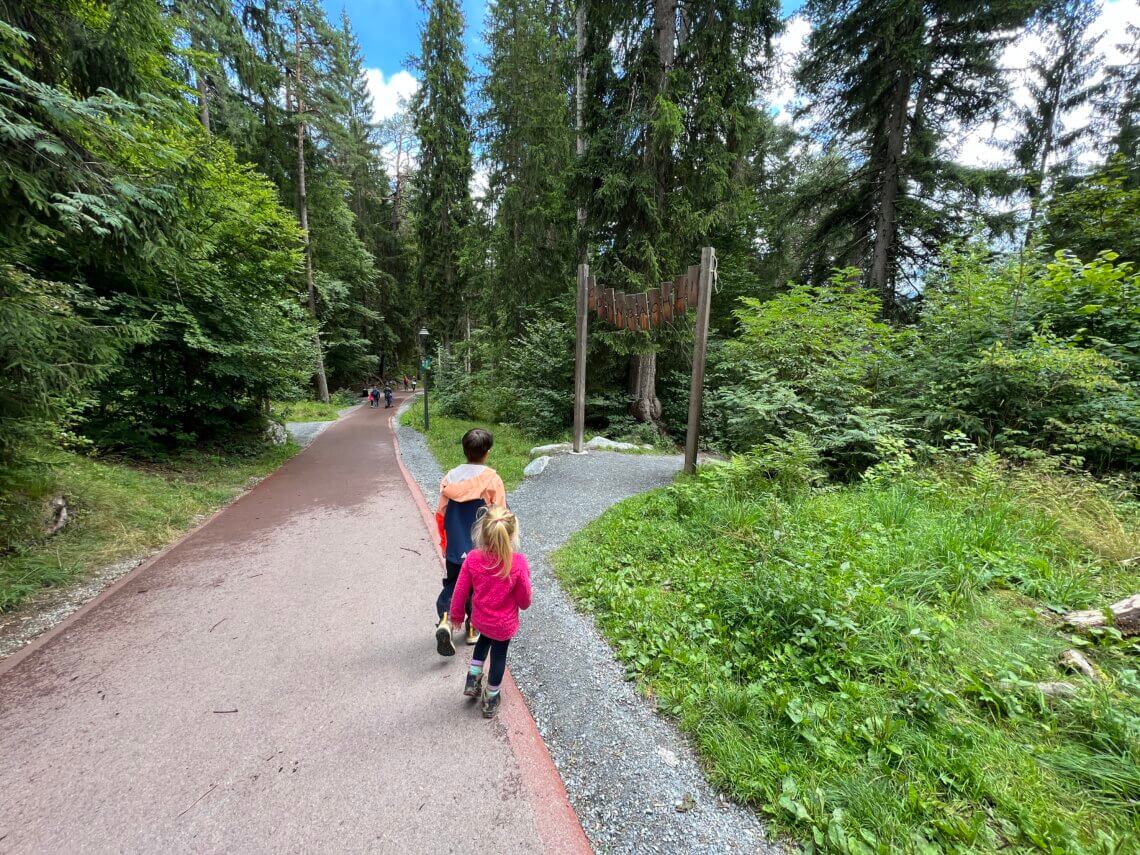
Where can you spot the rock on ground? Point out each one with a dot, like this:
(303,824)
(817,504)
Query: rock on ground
(537,466)
(632,778)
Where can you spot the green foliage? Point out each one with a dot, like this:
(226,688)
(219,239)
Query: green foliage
(442,196)
(806,362)
(1028,358)
(1098,213)
(529,145)
(861,663)
(229,331)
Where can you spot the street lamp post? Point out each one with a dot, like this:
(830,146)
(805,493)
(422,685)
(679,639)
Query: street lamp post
(425,366)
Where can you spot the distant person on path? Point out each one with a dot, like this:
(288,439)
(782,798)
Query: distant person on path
(463,492)
(414,381)
(405,382)
(388,396)
(497,580)
(373,397)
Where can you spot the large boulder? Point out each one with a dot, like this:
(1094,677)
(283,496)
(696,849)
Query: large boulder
(537,465)
(604,444)
(275,433)
(553,448)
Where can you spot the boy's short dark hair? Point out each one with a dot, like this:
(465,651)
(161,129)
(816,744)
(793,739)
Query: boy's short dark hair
(476,444)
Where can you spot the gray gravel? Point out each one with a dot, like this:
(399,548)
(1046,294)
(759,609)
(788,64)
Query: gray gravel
(632,778)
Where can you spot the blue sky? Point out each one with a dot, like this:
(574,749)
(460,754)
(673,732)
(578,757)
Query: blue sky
(389,32)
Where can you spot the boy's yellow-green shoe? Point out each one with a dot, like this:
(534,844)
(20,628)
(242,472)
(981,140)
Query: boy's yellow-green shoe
(472,633)
(443,643)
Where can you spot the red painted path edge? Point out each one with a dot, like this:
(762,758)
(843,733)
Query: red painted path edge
(558,824)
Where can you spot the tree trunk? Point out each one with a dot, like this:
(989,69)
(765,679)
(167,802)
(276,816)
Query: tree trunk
(200,85)
(643,366)
(886,225)
(203,104)
(467,341)
(579,96)
(643,388)
(303,212)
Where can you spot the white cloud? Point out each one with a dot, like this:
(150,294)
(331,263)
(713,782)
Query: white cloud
(386,94)
(787,47)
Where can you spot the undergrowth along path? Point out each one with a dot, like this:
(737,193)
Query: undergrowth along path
(632,778)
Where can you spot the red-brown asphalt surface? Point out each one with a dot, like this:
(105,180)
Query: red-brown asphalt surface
(271,684)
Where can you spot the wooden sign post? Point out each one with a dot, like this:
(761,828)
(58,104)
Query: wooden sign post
(648,311)
(580,359)
(700,349)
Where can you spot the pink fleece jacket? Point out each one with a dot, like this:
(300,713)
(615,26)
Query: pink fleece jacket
(495,601)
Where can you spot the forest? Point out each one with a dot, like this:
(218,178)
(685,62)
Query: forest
(202,218)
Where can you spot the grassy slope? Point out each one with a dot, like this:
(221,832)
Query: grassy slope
(509,456)
(307,411)
(861,663)
(126,510)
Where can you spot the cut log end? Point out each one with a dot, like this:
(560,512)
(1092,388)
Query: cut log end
(1124,616)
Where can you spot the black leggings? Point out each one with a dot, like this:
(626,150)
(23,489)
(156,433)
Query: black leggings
(498,663)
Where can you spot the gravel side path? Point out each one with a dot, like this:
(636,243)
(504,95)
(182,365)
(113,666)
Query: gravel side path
(632,778)
(304,433)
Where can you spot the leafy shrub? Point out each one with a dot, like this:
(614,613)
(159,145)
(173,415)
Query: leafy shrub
(1025,358)
(539,370)
(807,361)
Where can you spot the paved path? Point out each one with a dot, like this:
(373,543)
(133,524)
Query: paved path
(270,684)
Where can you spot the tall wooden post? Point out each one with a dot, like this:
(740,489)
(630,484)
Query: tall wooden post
(700,347)
(580,359)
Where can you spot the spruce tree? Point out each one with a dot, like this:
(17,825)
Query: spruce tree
(528,143)
(671,128)
(891,79)
(1118,103)
(441,189)
(1059,83)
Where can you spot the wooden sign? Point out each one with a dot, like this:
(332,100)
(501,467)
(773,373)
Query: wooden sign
(646,311)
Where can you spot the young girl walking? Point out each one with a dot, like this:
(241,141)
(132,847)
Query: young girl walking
(498,579)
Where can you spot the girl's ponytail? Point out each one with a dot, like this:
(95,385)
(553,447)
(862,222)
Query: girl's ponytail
(497,535)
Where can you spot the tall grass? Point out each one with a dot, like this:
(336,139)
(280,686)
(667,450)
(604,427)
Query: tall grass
(861,662)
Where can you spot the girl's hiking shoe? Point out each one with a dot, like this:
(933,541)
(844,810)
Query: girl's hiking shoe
(472,633)
(491,702)
(472,686)
(443,643)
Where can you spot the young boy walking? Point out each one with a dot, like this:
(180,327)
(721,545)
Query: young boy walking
(464,491)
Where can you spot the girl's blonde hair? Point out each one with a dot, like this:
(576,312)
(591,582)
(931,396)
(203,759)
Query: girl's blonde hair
(497,534)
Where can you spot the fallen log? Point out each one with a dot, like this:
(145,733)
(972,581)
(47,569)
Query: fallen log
(1074,660)
(1125,616)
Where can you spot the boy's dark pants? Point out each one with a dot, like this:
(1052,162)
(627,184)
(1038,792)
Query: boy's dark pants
(443,601)
(498,652)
